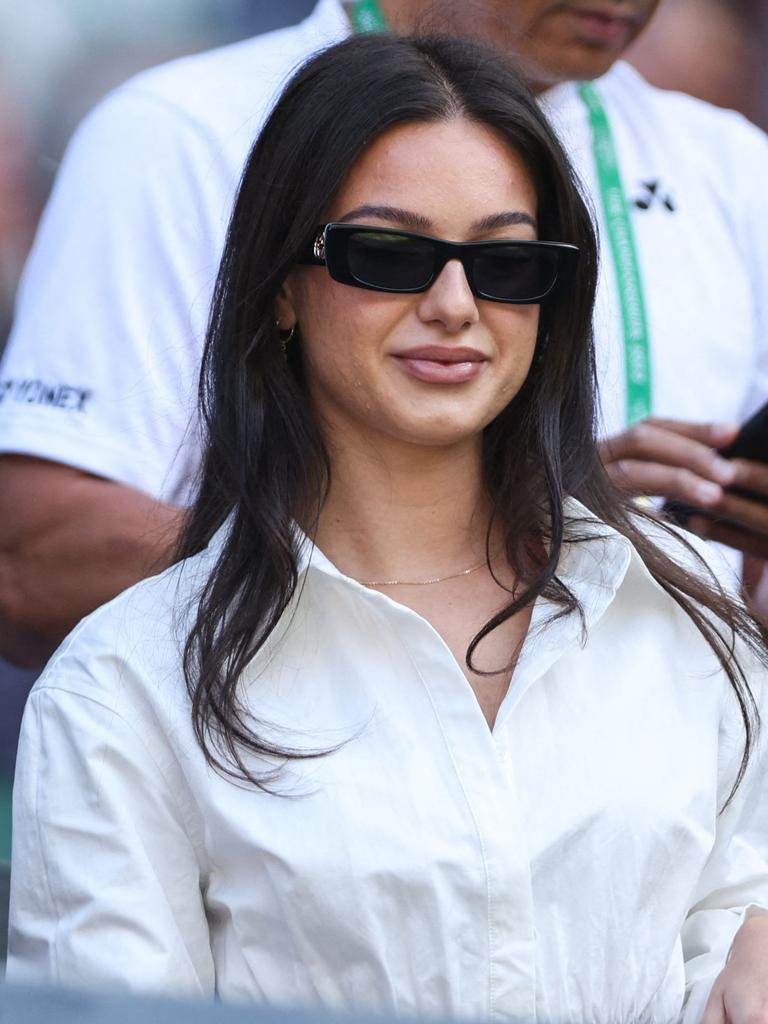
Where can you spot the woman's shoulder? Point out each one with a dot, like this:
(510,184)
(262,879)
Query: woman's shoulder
(130,648)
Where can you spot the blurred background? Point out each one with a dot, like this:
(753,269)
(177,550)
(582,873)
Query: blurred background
(58,57)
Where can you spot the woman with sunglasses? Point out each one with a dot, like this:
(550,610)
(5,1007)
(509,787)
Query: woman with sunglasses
(426,720)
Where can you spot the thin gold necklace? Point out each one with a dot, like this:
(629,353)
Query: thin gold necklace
(422,583)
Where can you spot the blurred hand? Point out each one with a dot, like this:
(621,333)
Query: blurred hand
(678,460)
(671,459)
(747,526)
(740,992)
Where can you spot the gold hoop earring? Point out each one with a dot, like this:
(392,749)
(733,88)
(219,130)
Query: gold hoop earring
(284,335)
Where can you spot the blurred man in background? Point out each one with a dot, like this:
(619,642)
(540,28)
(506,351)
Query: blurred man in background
(98,384)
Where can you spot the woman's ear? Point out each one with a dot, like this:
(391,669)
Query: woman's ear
(285,310)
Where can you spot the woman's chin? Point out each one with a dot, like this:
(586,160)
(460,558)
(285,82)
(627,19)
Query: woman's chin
(439,433)
(419,422)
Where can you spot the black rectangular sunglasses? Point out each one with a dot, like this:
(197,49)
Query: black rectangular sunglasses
(391,260)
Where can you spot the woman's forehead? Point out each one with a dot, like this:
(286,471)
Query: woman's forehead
(455,169)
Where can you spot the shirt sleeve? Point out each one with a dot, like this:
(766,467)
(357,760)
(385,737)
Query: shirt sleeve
(735,876)
(106,877)
(101,367)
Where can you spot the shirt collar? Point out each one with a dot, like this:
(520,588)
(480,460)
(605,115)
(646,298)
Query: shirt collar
(594,561)
(594,555)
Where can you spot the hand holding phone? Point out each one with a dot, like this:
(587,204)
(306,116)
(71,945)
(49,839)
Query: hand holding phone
(751,444)
(672,458)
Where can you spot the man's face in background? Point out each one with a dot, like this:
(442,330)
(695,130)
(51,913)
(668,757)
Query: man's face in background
(558,40)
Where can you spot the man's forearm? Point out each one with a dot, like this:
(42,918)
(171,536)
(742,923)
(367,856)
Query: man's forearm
(69,542)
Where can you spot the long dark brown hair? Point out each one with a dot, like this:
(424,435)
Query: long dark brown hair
(266,466)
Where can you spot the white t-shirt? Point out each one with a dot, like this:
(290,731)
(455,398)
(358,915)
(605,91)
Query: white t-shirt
(101,369)
(569,866)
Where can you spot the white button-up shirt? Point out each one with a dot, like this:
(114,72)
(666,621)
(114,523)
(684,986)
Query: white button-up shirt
(570,865)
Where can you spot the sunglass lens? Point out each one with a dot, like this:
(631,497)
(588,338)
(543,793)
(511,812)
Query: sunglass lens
(390,262)
(515,273)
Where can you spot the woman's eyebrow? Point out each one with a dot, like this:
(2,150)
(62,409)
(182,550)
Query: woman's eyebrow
(418,222)
(403,218)
(503,220)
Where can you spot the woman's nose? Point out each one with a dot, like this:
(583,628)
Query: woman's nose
(449,299)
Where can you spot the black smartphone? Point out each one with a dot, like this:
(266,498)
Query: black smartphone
(750,443)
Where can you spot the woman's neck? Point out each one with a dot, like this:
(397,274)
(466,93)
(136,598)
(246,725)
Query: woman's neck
(404,512)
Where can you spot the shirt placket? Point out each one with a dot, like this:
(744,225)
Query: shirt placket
(488,788)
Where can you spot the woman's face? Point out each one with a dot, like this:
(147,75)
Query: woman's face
(433,368)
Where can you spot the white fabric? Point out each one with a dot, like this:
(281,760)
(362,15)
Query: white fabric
(570,866)
(100,371)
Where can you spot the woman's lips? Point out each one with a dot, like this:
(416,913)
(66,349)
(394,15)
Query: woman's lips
(435,365)
(598,29)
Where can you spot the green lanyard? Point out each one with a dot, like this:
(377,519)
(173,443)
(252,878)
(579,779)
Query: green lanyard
(637,353)
(366,16)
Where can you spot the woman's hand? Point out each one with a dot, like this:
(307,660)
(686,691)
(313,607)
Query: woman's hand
(740,992)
